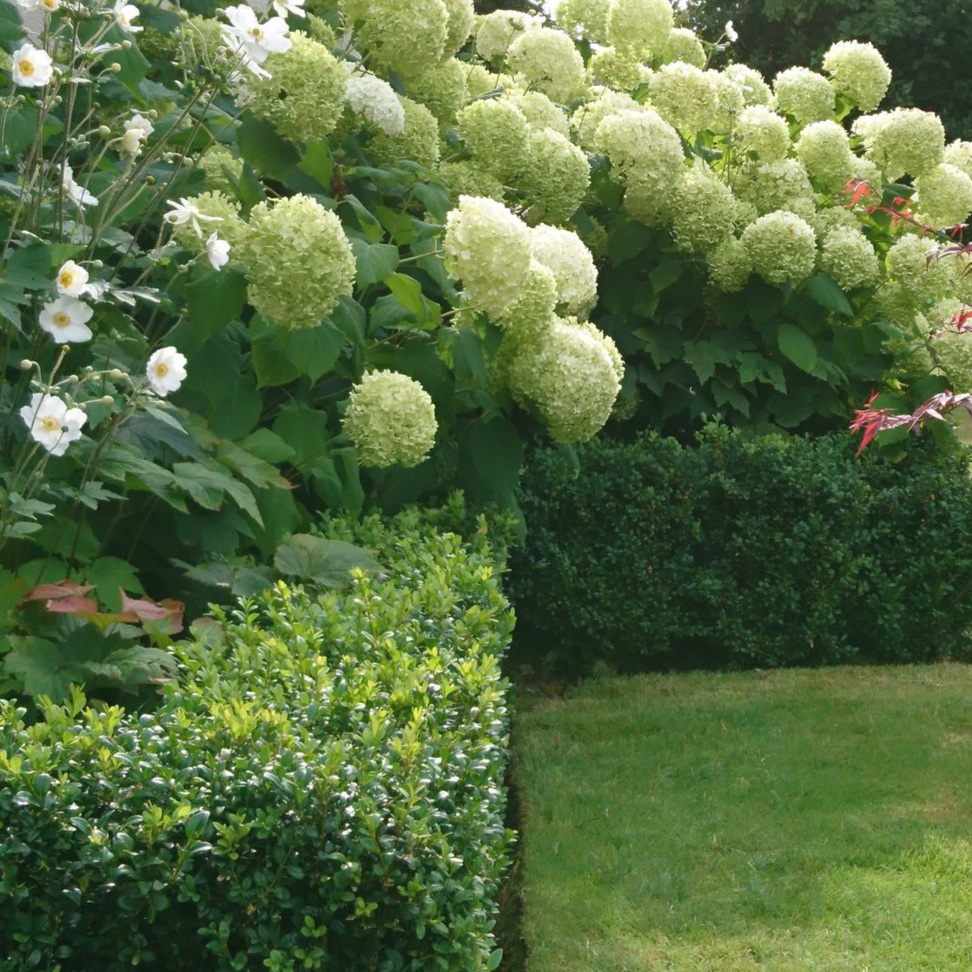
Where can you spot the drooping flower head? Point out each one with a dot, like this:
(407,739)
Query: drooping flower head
(66,320)
(391,419)
(125,13)
(52,423)
(859,72)
(166,371)
(782,247)
(75,192)
(804,94)
(217,251)
(137,130)
(462,20)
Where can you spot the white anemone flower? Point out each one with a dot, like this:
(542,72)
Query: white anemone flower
(218,251)
(66,320)
(52,423)
(77,194)
(32,68)
(71,280)
(166,371)
(730,32)
(125,13)
(185,211)
(253,40)
(137,130)
(284,7)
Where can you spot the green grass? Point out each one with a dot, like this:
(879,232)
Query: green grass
(802,820)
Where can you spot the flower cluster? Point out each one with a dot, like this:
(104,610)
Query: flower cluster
(498,30)
(554,178)
(641,27)
(418,140)
(782,247)
(402,38)
(906,141)
(684,45)
(572,265)
(547,61)
(824,148)
(495,131)
(764,132)
(859,72)
(375,100)
(804,94)
(686,97)
(52,423)
(848,256)
(704,211)
(944,196)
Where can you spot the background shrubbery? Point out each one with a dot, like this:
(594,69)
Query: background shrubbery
(744,552)
(321,789)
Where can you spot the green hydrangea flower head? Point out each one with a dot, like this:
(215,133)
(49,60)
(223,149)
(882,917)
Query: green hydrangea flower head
(763,131)
(402,37)
(909,263)
(769,186)
(417,142)
(321,31)
(555,178)
(587,117)
(298,261)
(687,98)
(222,214)
(539,111)
(641,27)
(390,419)
(824,149)
(804,95)
(848,256)
(304,97)
(223,170)
(571,377)
(533,311)
(547,60)
(620,71)
(373,100)
(684,45)
(585,19)
(442,89)
(569,260)
(730,100)
(730,266)
(782,247)
(644,142)
(959,154)
(495,133)
(832,218)
(498,30)
(751,84)
(944,196)
(488,249)
(480,81)
(905,141)
(703,211)
(466,178)
(459,27)
(858,72)
(951,349)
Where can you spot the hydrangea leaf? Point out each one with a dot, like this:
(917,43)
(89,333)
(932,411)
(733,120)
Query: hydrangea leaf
(798,346)
(324,561)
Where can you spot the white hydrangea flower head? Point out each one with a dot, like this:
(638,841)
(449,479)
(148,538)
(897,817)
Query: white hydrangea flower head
(555,177)
(66,320)
(376,101)
(442,88)
(563,253)
(498,30)
(763,131)
(571,377)
(52,423)
(303,94)
(166,371)
(32,67)
(481,82)
(298,261)
(641,141)
(547,60)
(859,72)
(943,197)
(617,70)
(804,94)
(495,132)
(533,312)
(703,211)
(539,111)
(905,141)
(641,27)
(585,19)
(908,263)
(466,178)
(751,84)
(684,45)
(418,142)
(587,117)
(959,154)
(687,98)
(730,266)
(459,26)
(782,247)
(390,419)
(730,100)
(488,248)
(824,149)
(848,256)
(831,218)
(71,280)
(404,38)
(782,184)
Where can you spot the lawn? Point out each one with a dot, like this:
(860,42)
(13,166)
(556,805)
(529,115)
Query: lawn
(788,820)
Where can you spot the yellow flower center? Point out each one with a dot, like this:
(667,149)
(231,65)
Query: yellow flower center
(26,66)
(161,370)
(61,319)
(50,424)
(66,279)
(256,33)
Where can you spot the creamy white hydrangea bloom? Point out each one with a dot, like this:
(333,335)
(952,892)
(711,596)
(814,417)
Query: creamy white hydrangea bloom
(32,68)
(489,250)
(571,263)
(586,118)
(730,266)
(906,141)
(65,319)
(764,132)
(781,184)
(539,111)
(76,193)
(548,61)
(376,101)
(498,29)
(959,154)
(703,211)
(640,26)
(824,148)
(125,13)
(859,72)
(495,132)
(804,94)
(684,45)
(391,419)
(643,142)
(751,84)
(71,279)
(166,371)
(52,423)
(534,309)
(217,251)
(848,256)
(782,247)
(944,196)
(686,97)
(585,18)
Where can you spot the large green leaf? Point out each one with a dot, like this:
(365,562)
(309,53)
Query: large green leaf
(375,261)
(264,149)
(798,346)
(491,456)
(827,293)
(215,299)
(322,561)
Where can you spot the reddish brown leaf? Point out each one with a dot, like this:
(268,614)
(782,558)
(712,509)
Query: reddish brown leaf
(145,609)
(54,592)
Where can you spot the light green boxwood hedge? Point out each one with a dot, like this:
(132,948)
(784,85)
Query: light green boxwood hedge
(322,788)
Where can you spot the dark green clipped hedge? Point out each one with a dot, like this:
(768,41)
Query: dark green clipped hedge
(322,789)
(743,552)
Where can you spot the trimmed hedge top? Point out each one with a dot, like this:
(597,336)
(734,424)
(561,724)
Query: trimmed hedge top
(321,789)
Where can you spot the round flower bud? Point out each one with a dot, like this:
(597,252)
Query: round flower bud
(751,84)
(847,255)
(498,30)
(495,132)
(417,142)
(403,37)
(641,27)
(562,252)
(703,211)
(782,246)
(547,60)
(944,196)
(859,72)
(570,376)
(684,45)
(555,177)
(391,419)
(904,141)
(764,132)
(730,266)
(824,148)
(685,97)
(298,261)
(304,98)
(804,94)
(488,249)
(585,19)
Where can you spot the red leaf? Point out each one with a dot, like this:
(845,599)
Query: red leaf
(60,590)
(72,605)
(145,609)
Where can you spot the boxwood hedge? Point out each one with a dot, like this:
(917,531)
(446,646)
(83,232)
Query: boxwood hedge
(321,789)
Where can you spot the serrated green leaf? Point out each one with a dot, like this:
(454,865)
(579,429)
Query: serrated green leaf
(374,261)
